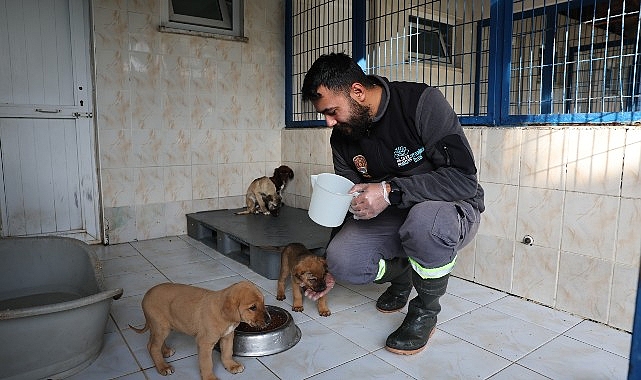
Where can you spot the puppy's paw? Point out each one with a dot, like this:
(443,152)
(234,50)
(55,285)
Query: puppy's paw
(297,308)
(280,297)
(324,313)
(234,367)
(165,369)
(168,351)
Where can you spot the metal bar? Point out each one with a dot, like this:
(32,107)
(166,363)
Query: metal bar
(479,62)
(500,61)
(634,370)
(289,62)
(548,62)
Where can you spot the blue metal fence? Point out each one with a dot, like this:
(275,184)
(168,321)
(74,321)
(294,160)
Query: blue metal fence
(566,61)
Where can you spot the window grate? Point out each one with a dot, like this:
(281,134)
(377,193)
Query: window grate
(567,61)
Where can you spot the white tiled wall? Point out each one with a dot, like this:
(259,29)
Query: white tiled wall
(575,191)
(184,122)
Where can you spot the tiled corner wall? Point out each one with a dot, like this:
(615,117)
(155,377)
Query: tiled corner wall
(184,122)
(575,190)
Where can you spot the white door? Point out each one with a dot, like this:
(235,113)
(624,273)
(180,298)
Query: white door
(48,182)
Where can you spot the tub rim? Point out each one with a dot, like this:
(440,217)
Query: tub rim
(96,264)
(60,306)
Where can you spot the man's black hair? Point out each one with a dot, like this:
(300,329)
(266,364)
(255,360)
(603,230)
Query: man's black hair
(336,71)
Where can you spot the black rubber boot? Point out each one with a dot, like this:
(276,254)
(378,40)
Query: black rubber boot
(420,322)
(397,271)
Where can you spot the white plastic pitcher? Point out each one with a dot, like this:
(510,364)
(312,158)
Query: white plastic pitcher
(330,200)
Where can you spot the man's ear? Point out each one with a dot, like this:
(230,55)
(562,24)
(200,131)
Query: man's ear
(357,92)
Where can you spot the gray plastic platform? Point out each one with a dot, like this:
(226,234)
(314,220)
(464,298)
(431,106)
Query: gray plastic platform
(256,240)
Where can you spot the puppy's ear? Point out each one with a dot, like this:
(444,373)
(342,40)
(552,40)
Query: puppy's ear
(231,305)
(287,172)
(323,262)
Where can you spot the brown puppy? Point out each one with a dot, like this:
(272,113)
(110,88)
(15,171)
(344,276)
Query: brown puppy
(307,271)
(262,198)
(282,175)
(209,316)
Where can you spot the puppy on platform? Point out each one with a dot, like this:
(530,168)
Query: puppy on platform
(264,194)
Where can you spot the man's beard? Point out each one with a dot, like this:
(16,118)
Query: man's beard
(357,126)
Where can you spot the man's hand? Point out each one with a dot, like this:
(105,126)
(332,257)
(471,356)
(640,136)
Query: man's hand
(371,200)
(329,284)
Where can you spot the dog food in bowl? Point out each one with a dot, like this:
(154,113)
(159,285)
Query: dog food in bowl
(279,335)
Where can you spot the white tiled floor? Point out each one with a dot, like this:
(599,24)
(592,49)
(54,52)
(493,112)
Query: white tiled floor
(482,333)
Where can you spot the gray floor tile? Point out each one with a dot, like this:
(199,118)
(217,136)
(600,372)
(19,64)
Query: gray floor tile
(319,350)
(504,335)
(447,357)
(567,358)
(194,273)
(516,371)
(601,336)
(543,316)
(376,369)
(115,360)
(473,292)
(364,325)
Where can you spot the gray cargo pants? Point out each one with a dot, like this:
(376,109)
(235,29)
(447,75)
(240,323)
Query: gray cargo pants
(430,233)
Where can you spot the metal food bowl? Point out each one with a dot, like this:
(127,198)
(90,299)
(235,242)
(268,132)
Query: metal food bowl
(280,335)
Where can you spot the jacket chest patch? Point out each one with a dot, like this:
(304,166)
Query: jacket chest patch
(404,156)
(361,165)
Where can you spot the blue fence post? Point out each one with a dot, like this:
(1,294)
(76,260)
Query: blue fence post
(359,32)
(498,102)
(289,58)
(634,370)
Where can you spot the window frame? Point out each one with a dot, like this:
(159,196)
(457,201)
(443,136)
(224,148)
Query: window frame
(417,25)
(232,25)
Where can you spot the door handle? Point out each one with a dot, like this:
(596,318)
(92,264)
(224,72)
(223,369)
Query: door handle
(43,110)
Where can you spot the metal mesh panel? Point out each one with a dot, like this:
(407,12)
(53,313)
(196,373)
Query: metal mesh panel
(574,57)
(319,27)
(393,33)
(564,58)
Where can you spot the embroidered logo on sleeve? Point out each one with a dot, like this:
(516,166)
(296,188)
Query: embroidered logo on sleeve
(404,157)
(361,165)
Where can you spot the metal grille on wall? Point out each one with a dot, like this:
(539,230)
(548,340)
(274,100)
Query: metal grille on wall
(567,61)
(317,27)
(434,42)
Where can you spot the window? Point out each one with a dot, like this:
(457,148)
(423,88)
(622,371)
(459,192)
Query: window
(429,40)
(203,17)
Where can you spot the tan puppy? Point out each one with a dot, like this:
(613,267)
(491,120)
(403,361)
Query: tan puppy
(209,316)
(262,198)
(307,271)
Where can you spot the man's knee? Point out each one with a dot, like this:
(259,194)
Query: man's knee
(348,268)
